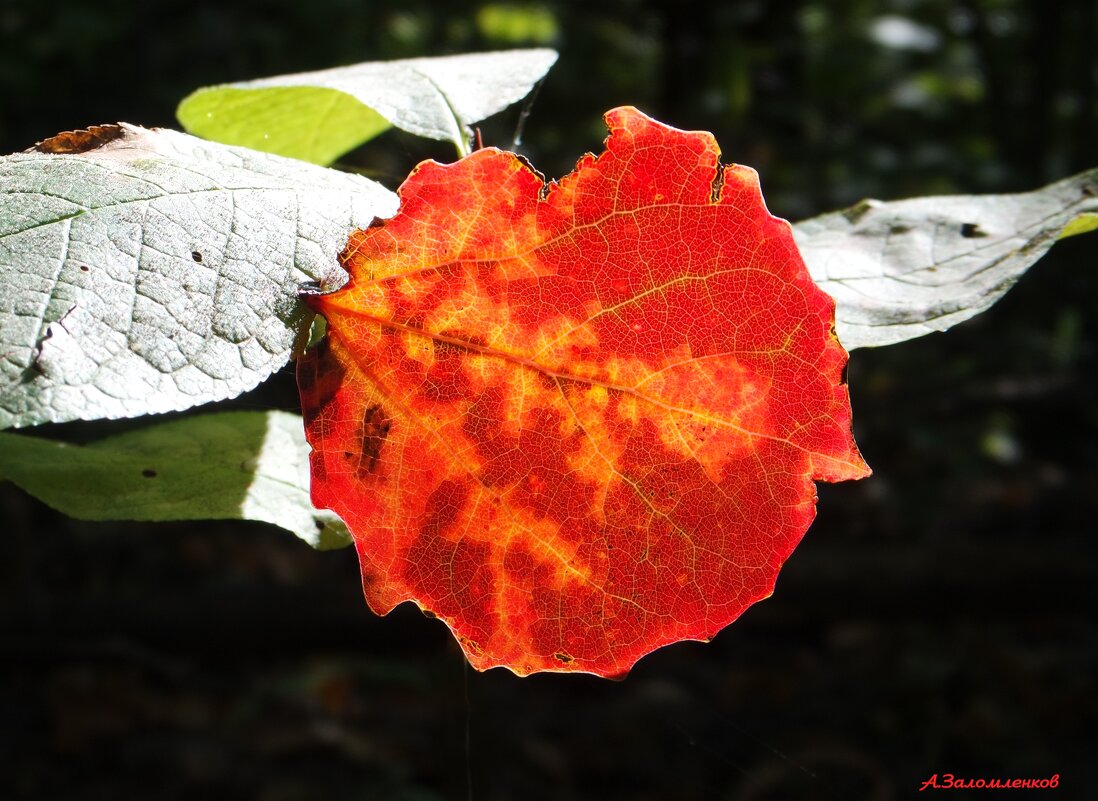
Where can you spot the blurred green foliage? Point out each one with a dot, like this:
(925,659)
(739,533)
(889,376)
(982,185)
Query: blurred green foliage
(831,101)
(518,24)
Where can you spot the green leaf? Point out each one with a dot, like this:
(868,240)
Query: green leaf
(150,271)
(229,465)
(319,116)
(1082,224)
(904,269)
(314,124)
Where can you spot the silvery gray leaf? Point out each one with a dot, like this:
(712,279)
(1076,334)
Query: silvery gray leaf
(146,271)
(903,269)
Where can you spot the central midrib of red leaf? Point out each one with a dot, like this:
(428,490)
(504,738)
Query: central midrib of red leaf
(530,363)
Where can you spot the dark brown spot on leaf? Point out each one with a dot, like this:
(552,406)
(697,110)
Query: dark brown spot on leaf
(374,430)
(563,657)
(473,647)
(148,472)
(80,141)
(716,185)
(970,230)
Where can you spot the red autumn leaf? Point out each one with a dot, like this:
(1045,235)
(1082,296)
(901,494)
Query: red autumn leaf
(579,421)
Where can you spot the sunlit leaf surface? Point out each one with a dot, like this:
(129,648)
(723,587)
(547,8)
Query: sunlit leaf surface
(577,421)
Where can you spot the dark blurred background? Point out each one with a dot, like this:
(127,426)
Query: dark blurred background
(938,618)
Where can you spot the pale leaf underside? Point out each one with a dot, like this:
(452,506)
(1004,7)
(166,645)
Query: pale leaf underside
(153,271)
(907,268)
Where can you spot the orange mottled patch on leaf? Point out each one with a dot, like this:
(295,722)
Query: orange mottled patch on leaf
(578,421)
